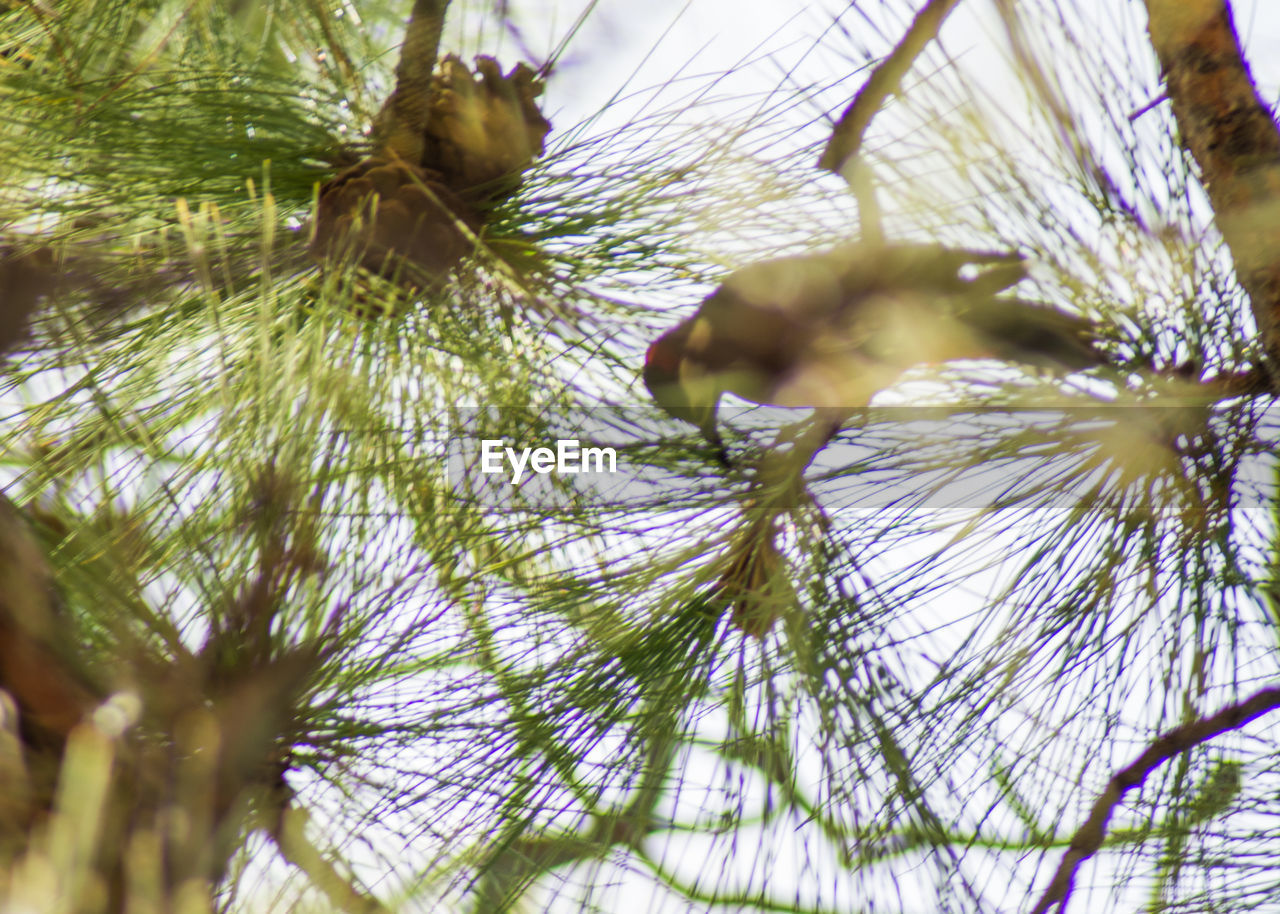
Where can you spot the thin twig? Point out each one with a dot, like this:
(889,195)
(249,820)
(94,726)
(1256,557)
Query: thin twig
(847,136)
(1089,837)
(291,838)
(1149,106)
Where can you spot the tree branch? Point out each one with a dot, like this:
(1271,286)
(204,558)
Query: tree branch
(846,137)
(401,125)
(40,667)
(291,838)
(1230,132)
(1089,837)
(514,866)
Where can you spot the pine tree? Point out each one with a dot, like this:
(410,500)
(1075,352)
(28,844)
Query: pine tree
(270,641)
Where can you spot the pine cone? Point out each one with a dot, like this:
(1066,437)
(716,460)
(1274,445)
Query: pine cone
(391,210)
(482,135)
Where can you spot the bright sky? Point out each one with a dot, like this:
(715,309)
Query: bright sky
(659,39)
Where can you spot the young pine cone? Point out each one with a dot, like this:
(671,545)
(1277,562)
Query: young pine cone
(394,216)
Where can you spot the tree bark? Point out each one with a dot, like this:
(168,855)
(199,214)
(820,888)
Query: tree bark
(1230,132)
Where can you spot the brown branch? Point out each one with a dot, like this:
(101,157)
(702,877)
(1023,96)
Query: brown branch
(1089,837)
(39,666)
(24,279)
(847,136)
(400,126)
(421,44)
(1230,132)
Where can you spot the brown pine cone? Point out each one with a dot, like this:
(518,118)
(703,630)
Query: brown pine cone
(393,214)
(482,135)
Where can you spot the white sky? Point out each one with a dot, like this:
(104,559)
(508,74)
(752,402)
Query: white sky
(658,38)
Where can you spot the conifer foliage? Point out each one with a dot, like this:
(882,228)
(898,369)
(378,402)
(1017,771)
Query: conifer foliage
(996,633)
